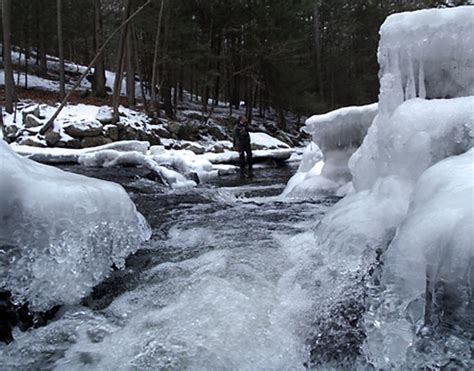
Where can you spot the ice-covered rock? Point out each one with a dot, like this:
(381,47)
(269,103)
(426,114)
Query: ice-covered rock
(336,135)
(307,182)
(61,233)
(428,275)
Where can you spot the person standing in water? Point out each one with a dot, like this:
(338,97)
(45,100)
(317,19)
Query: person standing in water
(242,144)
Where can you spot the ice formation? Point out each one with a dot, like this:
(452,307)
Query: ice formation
(429,269)
(413,179)
(61,233)
(336,136)
(415,136)
(426,54)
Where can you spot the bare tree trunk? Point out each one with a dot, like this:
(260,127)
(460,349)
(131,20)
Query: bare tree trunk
(130,71)
(139,70)
(7,61)
(99,68)
(120,62)
(62,79)
(154,75)
(317,45)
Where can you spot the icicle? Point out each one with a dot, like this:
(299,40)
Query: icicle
(410,88)
(421,80)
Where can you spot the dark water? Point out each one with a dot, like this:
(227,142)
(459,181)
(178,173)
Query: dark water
(224,283)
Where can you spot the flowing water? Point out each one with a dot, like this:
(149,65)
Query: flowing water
(224,283)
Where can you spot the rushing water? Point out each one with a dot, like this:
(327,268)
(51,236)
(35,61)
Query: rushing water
(223,284)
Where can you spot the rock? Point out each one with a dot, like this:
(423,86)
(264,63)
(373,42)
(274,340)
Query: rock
(112,132)
(256,146)
(105,115)
(73,143)
(31,110)
(151,137)
(128,133)
(173,127)
(161,132)
(52,137)
(218,148)
(94,141)
(31,121)
(194,147)
(11,131)
(83,129)
(31,141)
(216,133)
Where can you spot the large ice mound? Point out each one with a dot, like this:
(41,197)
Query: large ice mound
(417,135)
(61,233)
(428,275)
(414,187)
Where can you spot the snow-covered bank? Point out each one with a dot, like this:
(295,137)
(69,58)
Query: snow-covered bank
(61,233)
(176,168)
(411,212)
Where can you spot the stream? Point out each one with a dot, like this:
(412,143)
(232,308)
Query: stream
(220,285)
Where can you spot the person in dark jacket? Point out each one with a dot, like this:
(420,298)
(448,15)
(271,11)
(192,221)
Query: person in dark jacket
(242,144)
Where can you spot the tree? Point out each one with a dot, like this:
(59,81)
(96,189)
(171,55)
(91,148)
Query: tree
(62,80)
(155,62)
(98,85)
(7,58)
(120,60)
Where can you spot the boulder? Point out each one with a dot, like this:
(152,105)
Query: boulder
(73,143)
(150,136)
(218,148)
(52,138)
(83,129)
(173,127)
(32,121)
(31,141)
(105,115)
(94,141)
(31,110)
(194,147)
(11,131)
(216,133)
(161,132)
(112,132)
(128,133)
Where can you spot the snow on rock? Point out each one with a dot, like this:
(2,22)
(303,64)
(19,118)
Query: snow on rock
(427,54)
(83,128)
(67,155)
(265,141)
(105,115)
(110,157)
(429,267)
(61,232)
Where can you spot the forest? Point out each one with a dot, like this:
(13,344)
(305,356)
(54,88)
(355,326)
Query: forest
(303,56)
